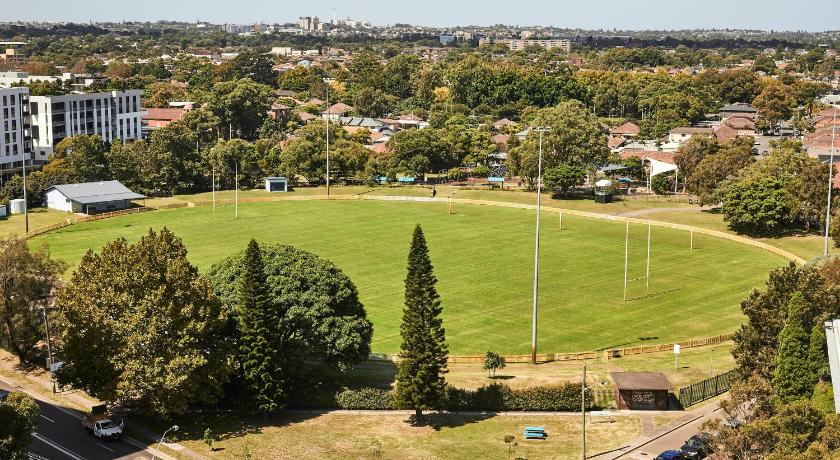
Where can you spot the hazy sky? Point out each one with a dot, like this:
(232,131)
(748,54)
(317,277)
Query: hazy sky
(813,15)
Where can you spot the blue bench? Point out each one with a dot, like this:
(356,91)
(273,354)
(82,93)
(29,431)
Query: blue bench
(534,432)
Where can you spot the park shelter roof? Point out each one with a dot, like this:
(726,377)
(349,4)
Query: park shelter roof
(641,381)
(96,192)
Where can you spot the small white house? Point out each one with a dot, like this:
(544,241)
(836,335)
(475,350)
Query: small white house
(90,197)
(276,184)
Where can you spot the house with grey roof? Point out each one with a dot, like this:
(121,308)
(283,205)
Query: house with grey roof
(90,197)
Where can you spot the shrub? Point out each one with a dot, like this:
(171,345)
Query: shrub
(365,398)
(498,397)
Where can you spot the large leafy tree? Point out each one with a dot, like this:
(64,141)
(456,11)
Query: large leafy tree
(564,177)
(27,278)
(775,103)
(241,106)
(259,355)
(229,155)
(162,93)
(758,206)
(18,419)
(141,325)
(316,319)
(250,64)
(716,166)
(423,351)
(82,158)
(419,151)
(574,137)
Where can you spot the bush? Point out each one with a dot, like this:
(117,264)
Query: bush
(497,397)
(493,397)
(365,398)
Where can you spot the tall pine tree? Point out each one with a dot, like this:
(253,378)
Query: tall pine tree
(423,351)
(259,358)
(793,378)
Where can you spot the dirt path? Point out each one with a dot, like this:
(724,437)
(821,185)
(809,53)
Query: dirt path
(647,212)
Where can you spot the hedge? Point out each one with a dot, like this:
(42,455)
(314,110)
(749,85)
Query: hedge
(493,397)
(365,398)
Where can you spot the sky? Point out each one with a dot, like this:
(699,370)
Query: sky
(811,15)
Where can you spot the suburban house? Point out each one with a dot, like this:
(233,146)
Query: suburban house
(627,130)
(682,134)
(739,109)
(156,118)
(90,197)
(336,112)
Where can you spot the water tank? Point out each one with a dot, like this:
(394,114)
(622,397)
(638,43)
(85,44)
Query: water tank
(17,206)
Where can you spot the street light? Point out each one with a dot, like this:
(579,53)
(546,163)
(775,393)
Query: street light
(830,180)
(540,130)
(157,449)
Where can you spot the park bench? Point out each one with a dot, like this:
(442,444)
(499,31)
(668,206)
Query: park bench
(535,432)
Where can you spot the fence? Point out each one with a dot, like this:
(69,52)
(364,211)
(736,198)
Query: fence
(478,359)
(706,389)
(70,221)
(692,343)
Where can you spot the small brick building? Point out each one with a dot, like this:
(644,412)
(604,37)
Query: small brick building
(641,390)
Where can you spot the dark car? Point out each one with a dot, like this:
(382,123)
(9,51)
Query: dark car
(697,447)
(671,455)
(3,395)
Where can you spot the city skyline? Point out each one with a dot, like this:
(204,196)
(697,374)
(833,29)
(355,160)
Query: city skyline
(611,14)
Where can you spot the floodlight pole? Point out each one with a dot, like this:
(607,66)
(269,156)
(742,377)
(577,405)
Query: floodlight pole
(626,248)
(329,114)
(25,201)
(830,180)
(647,270)
(213,187)
(236,187)
(540,130)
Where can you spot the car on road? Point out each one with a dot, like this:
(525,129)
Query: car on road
(671,455)
(697,447)
(3,395)
(99,424)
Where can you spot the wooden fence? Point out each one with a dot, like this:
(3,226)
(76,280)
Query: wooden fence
(76,219)
(691,343)
(709,388)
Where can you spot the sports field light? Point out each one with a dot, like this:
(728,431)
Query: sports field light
(541,130)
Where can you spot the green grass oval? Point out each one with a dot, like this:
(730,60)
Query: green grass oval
(483,258)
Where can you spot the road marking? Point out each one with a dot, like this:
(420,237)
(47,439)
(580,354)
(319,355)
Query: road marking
(57,447)
(104,446)
(47,418)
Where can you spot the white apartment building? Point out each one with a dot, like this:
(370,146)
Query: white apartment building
(15,134)
(112,115)
(562,43)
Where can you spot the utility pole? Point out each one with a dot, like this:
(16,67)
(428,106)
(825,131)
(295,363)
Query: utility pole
(830,180)
(626,250)
(647,270)
(541,130)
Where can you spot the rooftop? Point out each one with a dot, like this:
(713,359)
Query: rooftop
(645,381)
(96,192)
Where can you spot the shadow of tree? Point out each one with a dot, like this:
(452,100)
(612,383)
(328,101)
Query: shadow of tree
(439,420)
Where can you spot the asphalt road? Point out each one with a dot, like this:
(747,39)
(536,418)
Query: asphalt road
(60,436)
(673,440)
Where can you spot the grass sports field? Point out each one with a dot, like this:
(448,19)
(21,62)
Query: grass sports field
(483,258)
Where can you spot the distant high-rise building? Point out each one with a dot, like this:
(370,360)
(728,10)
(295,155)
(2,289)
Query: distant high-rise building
(309,23)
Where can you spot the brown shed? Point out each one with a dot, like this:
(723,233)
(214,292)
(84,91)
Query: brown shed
(641,390)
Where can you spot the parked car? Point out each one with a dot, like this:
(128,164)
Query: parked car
(671,455)
(3,395)
(697,447)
